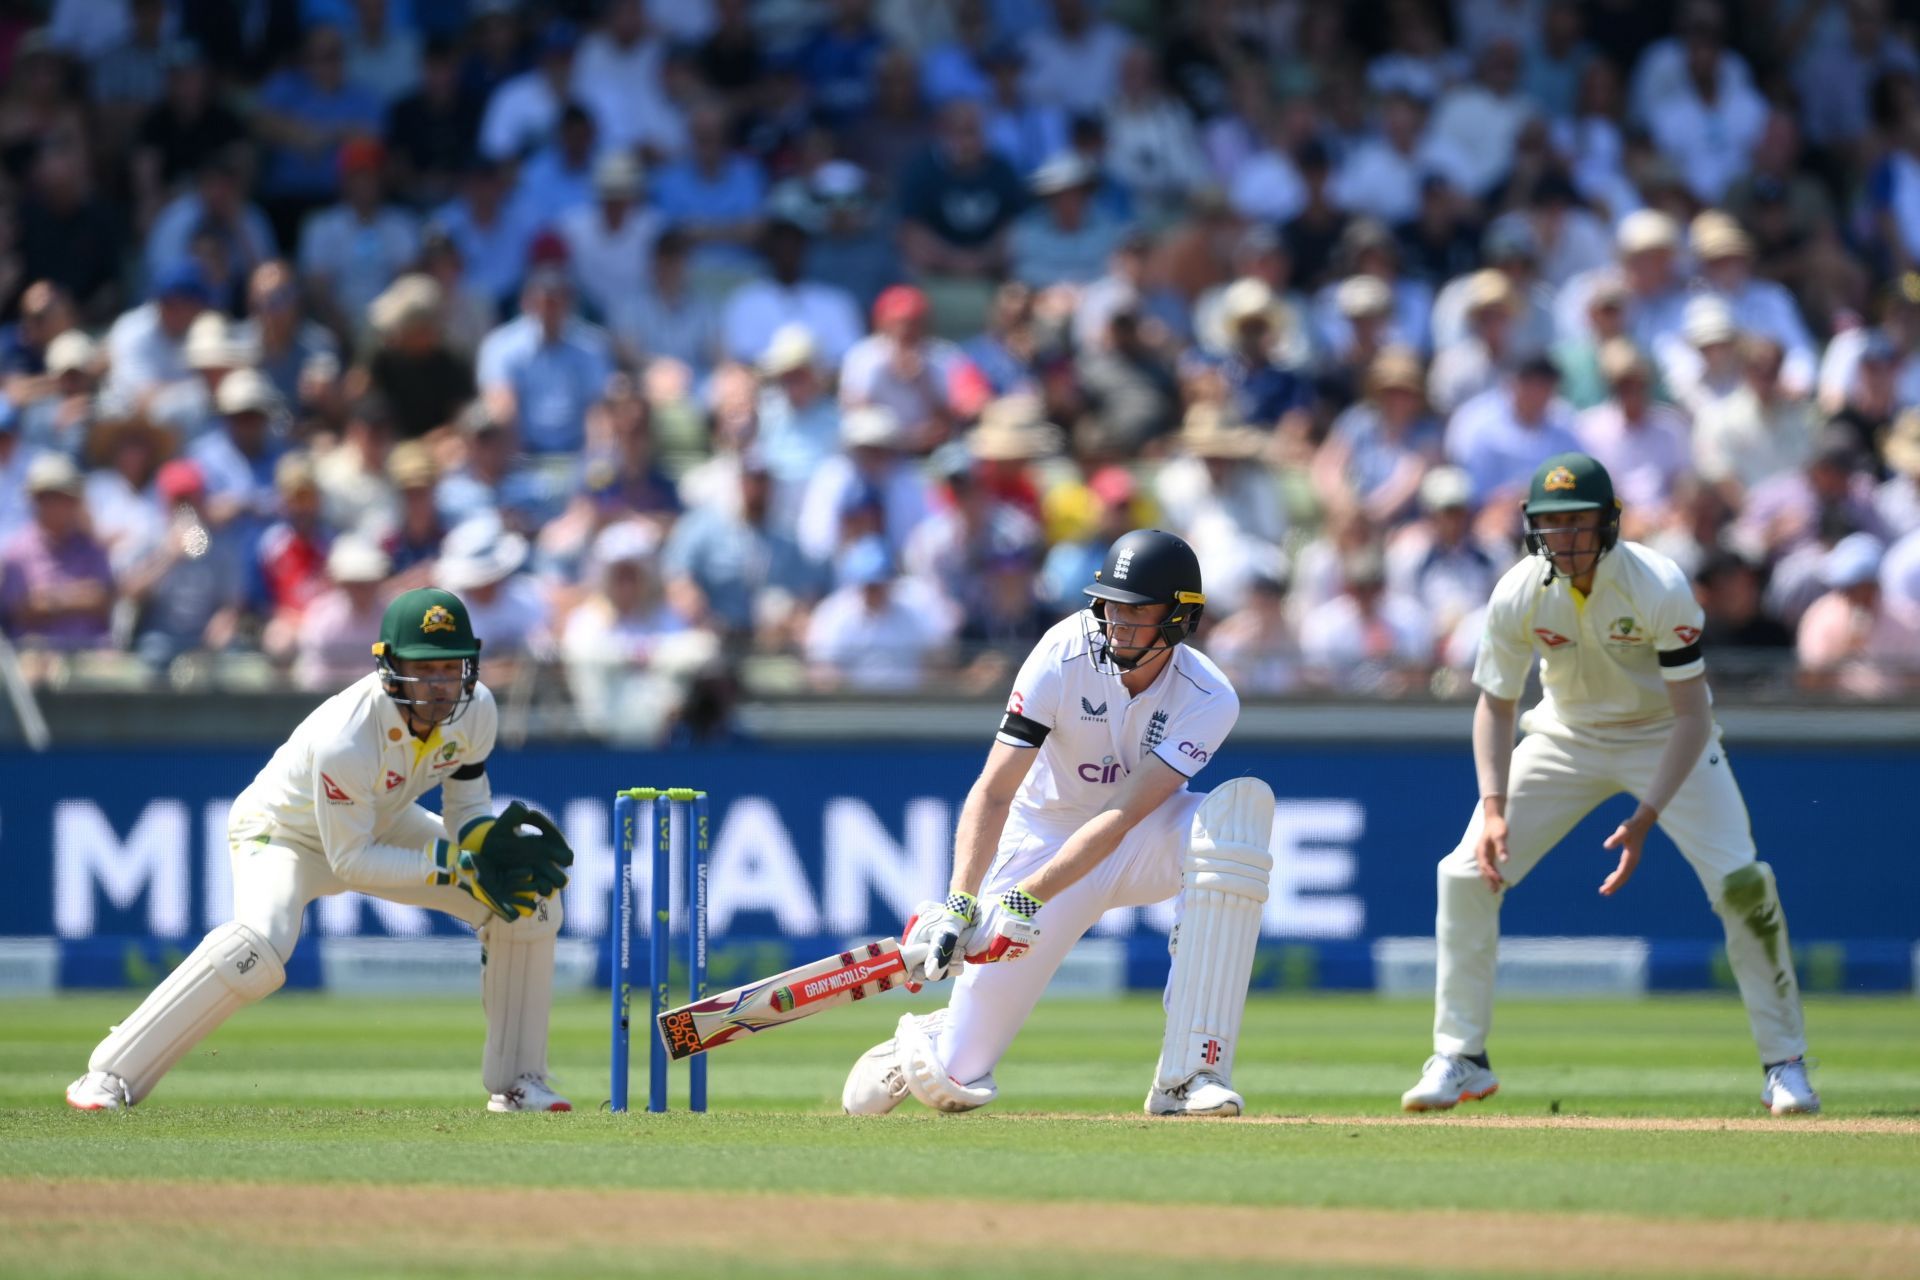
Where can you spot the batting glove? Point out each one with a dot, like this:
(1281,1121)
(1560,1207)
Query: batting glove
(1006,930)
(939,926)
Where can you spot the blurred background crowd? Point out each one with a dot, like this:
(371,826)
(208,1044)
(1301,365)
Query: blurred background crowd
(825,344)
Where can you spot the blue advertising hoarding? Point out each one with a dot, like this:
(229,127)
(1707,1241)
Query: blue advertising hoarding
(833,841)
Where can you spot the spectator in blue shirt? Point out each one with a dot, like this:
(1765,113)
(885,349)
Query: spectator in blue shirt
(547,367)
(559,178)
(1262,391)
(489,229)
(713,193)
(839,61)
(723,557)
(304,114)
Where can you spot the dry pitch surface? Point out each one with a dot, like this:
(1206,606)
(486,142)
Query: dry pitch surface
(327,1137)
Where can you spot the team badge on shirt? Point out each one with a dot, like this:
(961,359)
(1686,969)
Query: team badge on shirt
(1156,731)
(1625,631)
(449,756)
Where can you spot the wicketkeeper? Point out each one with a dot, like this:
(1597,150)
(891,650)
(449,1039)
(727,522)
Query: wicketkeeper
(334,810)
(1083,806)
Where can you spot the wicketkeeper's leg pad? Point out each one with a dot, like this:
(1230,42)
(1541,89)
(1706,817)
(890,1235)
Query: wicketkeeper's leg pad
(231,968)
(927,1077)
(1225,877)
(516,989)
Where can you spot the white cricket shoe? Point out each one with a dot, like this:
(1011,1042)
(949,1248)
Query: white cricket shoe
(99,1091)
(1788,1091)
(1447,1081)
(877,1084)
(529,1093)
(1204,1095)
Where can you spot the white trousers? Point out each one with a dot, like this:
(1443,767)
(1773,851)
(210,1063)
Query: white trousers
(991,1001)
(1559,777)
(272,884)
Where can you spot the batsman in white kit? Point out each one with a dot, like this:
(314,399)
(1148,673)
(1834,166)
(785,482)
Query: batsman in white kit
(334,810)
(1083,806)
(1625,708)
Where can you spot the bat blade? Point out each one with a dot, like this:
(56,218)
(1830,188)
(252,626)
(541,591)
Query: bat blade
(786,997)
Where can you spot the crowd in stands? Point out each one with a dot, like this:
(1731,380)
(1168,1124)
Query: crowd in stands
(672,331)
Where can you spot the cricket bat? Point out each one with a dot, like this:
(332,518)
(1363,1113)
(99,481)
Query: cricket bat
(785,997)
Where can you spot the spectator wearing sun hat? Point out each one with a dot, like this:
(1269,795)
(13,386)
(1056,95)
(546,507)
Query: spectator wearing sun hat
(1848,639)
(610,240)
(330,647)
(56,587)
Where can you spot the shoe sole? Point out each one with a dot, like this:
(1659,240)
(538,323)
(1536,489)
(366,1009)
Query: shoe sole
(91,1106)
(1468,1096)
(1813,1110)
(501,1111)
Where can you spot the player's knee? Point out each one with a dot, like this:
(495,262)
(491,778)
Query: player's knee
(542,922)
(246,960)
(1746,889)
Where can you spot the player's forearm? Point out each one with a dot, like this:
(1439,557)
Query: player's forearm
(465,802)
(976,836)
(390,866)
(1493,747)
(1084,850)
(1692,729)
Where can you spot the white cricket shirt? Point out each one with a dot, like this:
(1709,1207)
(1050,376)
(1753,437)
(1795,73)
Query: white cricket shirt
(1605,661)
(1091,733)
(350,771)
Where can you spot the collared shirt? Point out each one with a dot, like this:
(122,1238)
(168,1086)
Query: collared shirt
(553,382)
(30,562)
(1092,734)
(346,782)
(758,309)
(609,263)
(1605,660)
(358,257)
(1643,457)
(1498,450)
(142,355)
(169,243)
(494,254)
(872,651)
(521,115)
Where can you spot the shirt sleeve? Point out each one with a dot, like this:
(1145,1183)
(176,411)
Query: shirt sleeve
(1196,736)
(343,785)
(1677,626)
(1506,652)
(466,797)
(1033,708)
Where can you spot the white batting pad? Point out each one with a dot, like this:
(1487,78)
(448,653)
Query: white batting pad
(516,989)
(1224,879)
(231,968)
(927,1077)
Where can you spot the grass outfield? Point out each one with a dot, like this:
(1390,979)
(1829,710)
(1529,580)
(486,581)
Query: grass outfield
(346,1137)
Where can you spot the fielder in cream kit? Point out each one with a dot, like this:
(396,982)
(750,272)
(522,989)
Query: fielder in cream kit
(334,810)
(1083,806)
(1625,708)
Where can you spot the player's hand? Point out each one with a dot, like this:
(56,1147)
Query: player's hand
(1630,837)
(1006,930)
(540,855)
(1490,853)
(939,926)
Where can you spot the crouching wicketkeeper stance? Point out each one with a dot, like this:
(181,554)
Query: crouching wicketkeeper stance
(1083,806)
(334,811)
(1626,708)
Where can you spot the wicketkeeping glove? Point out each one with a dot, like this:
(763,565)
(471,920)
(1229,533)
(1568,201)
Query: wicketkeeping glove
(508,869)
(939,926)
(1006,930)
